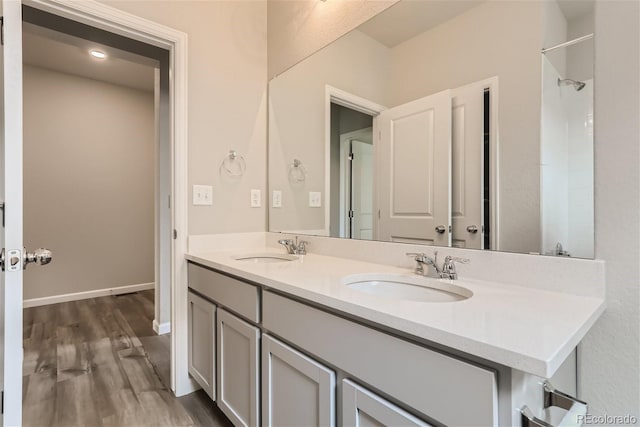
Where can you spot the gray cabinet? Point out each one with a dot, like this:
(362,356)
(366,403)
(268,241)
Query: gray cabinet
(237,367)
(362,408)
(202,326)
(296,390)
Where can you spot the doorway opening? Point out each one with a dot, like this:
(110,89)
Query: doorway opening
(62,45)
(103,101)
(352,175)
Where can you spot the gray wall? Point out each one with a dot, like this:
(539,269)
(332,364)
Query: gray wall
(89,189)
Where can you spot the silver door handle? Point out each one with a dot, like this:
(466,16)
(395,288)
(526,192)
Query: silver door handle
(473,229)
(41,256)
(441,229)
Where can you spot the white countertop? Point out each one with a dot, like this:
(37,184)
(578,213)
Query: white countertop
(526,329)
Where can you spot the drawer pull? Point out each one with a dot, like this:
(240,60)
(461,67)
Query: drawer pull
(530,420)
(555,398)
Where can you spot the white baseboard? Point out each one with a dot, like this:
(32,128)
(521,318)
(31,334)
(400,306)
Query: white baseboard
(35,302)
(161,328)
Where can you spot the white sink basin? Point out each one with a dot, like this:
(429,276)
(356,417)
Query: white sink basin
(412,288)
(265,257)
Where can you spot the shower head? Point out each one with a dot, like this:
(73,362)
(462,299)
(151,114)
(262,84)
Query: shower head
(576,84)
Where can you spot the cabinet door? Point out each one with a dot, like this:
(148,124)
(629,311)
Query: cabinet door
(202,328)
(362,408)
(237,360)
(296,390)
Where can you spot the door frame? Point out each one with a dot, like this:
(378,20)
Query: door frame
(123,23)
(337,96)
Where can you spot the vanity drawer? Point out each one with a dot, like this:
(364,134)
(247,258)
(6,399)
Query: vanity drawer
(443,388)
(236,295)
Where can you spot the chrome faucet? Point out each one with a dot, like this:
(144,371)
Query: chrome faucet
(448,270)
(422,259)
(294,248)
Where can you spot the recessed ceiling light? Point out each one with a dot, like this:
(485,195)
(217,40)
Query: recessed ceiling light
(97,54)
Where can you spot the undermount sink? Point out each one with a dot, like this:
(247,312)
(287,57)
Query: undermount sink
(265,257)
(397,286)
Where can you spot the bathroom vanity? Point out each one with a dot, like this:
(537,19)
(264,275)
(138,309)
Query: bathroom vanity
(280,340)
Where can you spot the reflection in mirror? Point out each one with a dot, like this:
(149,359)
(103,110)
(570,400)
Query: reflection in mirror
(464,123)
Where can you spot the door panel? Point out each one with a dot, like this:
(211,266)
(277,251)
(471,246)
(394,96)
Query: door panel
(467,166)
(11,195)
(361,407)
(202,328)
(237,363)
(296,390)
(362,190)
(414,160)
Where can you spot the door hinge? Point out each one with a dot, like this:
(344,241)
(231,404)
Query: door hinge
(351,156)
(2,30)
(169,197)
(175,234)
(378,213)
(350,214)
(2,409)
(2,209)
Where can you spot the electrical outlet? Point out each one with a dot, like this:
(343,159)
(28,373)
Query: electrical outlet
(315,199)
(276,199)
(256,199)
(202,195)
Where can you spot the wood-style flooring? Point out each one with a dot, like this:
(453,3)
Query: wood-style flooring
(97,362)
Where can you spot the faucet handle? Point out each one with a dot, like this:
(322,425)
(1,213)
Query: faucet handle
(301,247)
(416,254)
(449,259)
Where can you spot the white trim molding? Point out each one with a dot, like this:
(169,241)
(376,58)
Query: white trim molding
(111,19)
(77,296)
(161,328)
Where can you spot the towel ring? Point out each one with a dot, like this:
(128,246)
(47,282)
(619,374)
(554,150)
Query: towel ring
(297,171)
(233,164)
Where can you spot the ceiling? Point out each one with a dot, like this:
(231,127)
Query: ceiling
(407,19)
(67,54)
(575,8)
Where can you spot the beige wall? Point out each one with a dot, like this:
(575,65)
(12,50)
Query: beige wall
(297,126)
(299,28)
(89,189)
(227,102)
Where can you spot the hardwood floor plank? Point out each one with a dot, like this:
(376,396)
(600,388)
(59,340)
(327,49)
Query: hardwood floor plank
(39,391)
(72,353)
(75,403)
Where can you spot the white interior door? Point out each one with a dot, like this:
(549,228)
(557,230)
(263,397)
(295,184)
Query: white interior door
(467,190)
(11,232)
(362,190)
(414,160)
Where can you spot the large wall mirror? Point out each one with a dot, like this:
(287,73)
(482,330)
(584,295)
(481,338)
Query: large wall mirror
(448,123)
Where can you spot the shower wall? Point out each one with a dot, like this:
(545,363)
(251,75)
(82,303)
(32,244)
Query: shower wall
(566,171)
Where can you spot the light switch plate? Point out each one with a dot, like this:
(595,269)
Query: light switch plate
(276,199)
(202,195)
(256,198)
(315,199)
